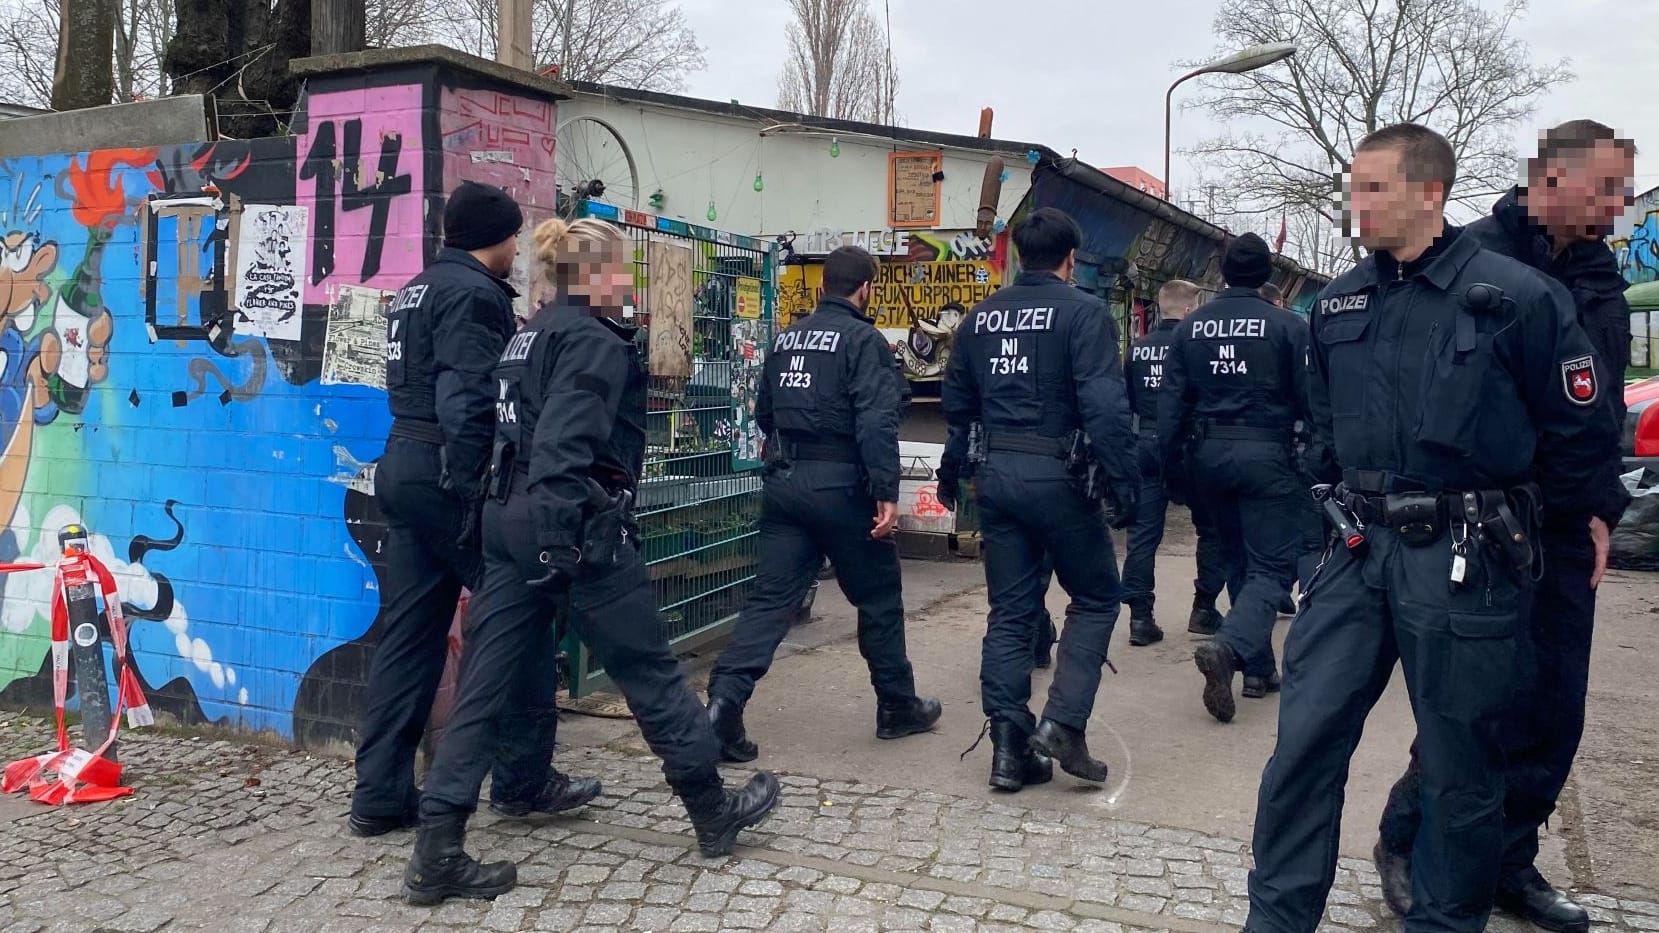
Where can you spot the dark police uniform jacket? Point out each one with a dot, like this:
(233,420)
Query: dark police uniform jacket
(570,401)
(445,331)
(1590,273)
(832,383)
(1143,374)
(1238,362)
(1420,375)
(1040,357)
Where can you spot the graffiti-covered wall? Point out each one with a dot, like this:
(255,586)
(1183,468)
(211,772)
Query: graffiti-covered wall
(191,364)
(1637,240)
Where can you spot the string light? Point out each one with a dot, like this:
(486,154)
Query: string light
(1005,175)
(760,183)
(998,226)
(1033,156)
(835,148)
(712,214)
(657,197)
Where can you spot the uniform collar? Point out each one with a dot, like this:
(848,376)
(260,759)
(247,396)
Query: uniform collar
(1038,278)
(1527,238)
(1239,291)
(570,304)
(829,302)
(1168,323)
(464,258)
(1440,264)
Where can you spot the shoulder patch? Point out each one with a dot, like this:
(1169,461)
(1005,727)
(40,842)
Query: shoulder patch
(1578,378)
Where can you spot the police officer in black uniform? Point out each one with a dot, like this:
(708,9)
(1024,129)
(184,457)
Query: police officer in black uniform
(830,401)
(1144,377)
(1235,378)
(1575,192)
(1447,380)
(1036,365)
(445,331)
(569,446)
(1309,520)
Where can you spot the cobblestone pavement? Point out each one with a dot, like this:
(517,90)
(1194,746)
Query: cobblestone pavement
(234,837)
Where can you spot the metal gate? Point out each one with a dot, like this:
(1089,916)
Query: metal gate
(699,499)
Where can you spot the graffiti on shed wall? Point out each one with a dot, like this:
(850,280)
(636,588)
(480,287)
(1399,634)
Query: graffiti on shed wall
(226,483)
(1638,250)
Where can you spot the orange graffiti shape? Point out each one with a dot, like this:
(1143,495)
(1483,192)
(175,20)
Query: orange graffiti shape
(100,198)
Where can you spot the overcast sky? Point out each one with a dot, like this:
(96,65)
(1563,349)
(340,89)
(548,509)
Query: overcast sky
(1077,76)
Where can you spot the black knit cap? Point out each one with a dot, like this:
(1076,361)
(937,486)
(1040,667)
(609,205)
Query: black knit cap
(479,216)
(1247,263)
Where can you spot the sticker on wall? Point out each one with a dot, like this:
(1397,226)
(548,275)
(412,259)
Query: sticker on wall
(354,349)
(270,270)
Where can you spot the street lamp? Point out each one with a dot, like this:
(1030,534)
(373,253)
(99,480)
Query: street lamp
(1250,59)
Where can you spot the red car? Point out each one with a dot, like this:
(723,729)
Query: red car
(1641,425)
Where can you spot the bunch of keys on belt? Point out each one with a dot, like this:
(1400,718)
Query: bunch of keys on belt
(1460,552)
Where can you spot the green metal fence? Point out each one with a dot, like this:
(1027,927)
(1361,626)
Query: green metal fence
(699,500)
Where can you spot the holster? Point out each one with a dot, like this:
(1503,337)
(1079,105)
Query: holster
(1415,517)
(501,470)
(1086,475)
(609,527)
(976,449)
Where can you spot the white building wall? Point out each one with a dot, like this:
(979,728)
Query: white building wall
(697,157)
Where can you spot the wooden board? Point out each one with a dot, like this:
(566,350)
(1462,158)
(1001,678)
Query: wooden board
(671,301)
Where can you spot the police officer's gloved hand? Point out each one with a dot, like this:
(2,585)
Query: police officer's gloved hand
(945,488)
(1123,497)
(560,566)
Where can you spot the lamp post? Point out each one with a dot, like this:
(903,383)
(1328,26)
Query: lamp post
(1250,59)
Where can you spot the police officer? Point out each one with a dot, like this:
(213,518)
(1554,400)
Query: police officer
(569,402)
(829,403)
(1311,523)
(1037,366)
(1444,378)
(1575,192)
(1235,378)
(444,333)
(1144,375)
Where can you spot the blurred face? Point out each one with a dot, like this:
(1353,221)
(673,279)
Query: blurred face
(1582,194)
(603,275)
(500,257)
(1389,210)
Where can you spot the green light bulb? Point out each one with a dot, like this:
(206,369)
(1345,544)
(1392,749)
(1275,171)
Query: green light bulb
(760,183)
(835,148)
(711,214)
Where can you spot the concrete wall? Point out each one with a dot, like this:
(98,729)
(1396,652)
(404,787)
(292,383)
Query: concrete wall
(696,157)
(166,380)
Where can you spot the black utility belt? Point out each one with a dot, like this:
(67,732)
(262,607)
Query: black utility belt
(826,453)
(1209,431)
(1026,444)
(1509,517)
(413,429)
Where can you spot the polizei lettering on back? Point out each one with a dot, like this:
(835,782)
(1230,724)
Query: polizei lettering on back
(1148,354)
(823,341)
(1013,320)
(1228,329)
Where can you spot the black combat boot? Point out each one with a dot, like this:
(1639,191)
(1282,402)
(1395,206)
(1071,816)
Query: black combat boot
(1013,763)
(441,868)
(1534,900)
(727,719)
(561,794)
(1395,870)
(1257,687)
(1218,662)
(1047,635)
(718,814)
(1070,749)
(1143,630)
(916,715)
(1205,620)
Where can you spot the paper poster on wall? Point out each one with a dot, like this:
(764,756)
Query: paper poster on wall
(354,349)
(747,297)
(750,339)
(670,304)
(270,270)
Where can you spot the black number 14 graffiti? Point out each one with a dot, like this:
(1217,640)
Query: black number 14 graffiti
(320,165)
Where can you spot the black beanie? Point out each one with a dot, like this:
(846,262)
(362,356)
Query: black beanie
(1247,262)
(480,216)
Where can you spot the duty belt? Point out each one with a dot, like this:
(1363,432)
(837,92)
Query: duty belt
(414,429)
(796,448)
(1212,430)
(1421,517)
(1026,444)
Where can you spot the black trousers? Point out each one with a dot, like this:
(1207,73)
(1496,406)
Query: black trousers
(1460,647)
(1028,508)
(614,612)
(1147,531)
(425,570)
(810,510)
(1546,721)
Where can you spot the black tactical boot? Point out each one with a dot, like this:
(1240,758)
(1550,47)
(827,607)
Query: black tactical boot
(727,719)
(441,868)
(1047,635)
(1257,687)
(1535,901)
(1013,763)
(718,816)
(1070,749)
(1217,662)
(562,793)
(1395,870)
(917,715)
(1205,620)
(1142,629)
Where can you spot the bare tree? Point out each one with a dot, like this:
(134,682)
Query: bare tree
(1361,65)
(28,51)
(84,76)
(398,22)
(143,29)
(839,63)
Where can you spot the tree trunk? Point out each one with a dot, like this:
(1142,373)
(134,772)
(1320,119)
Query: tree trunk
(86,53)
(239,51)
(338,26)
